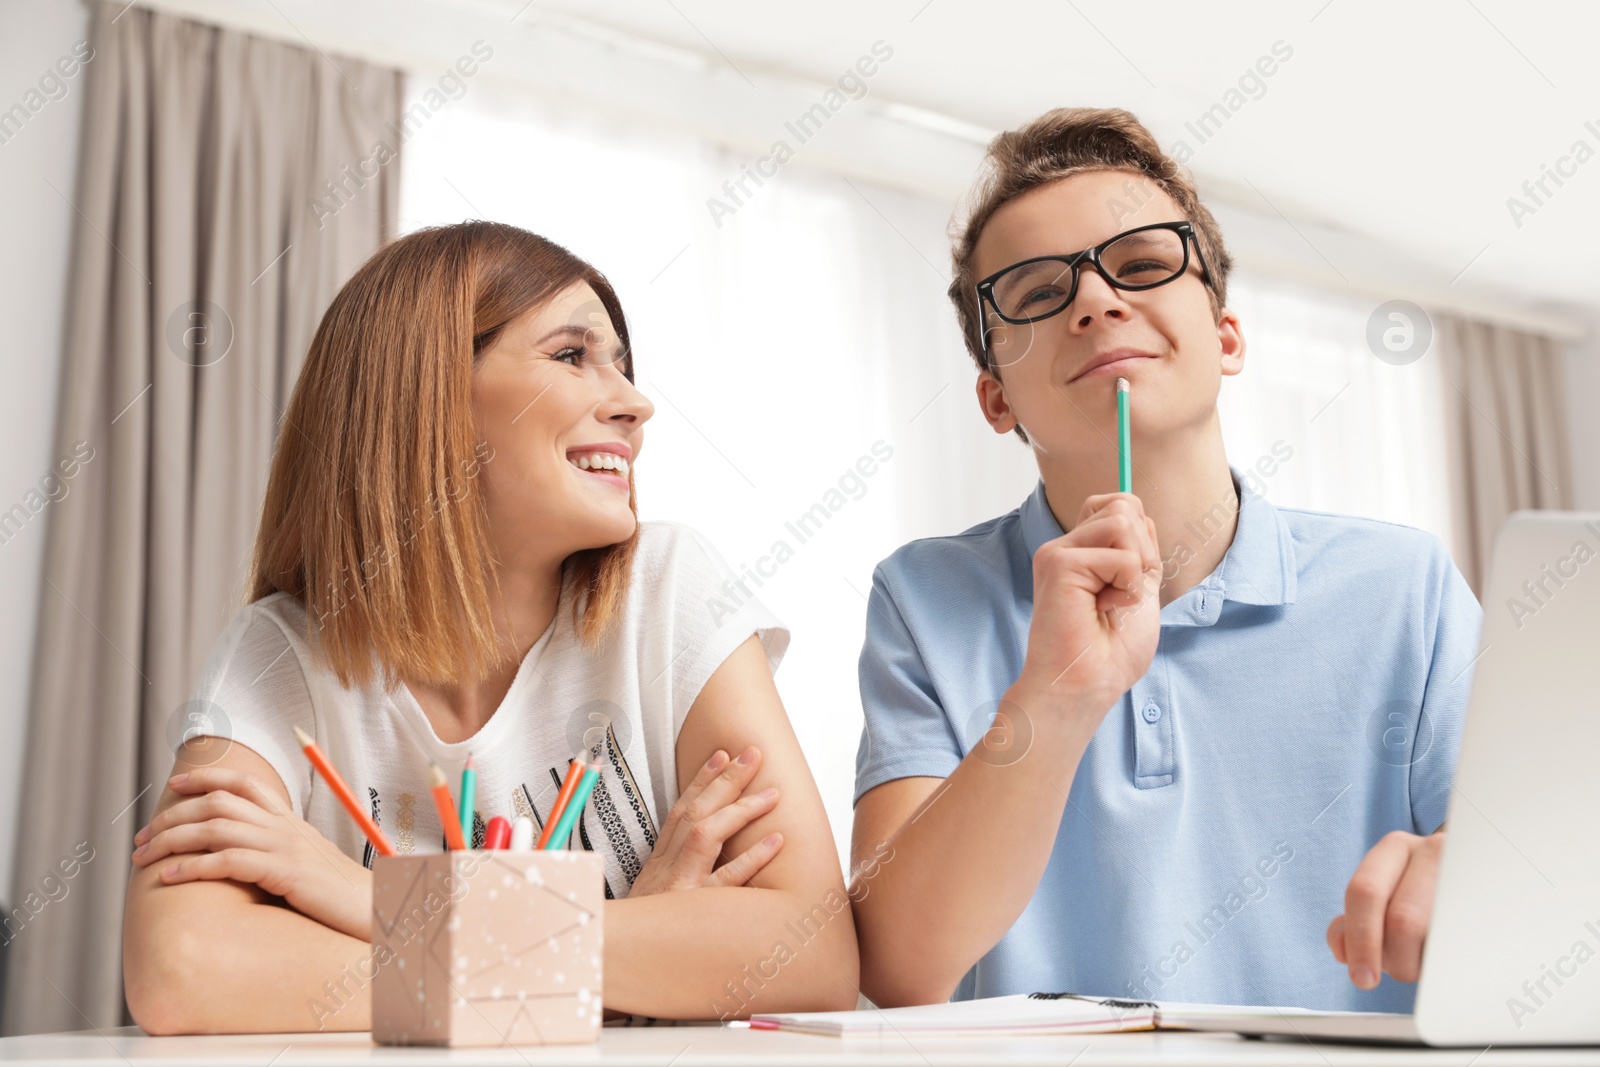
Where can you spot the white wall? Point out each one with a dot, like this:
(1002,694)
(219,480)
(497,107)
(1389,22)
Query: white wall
(33,268)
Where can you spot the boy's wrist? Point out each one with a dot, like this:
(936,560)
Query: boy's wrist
(1053,708)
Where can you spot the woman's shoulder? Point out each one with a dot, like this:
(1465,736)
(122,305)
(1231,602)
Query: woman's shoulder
(680,571)
(280,606)
(256,687)
(688,610)
(268,634)
(661,535)
(270,623)
(665,547)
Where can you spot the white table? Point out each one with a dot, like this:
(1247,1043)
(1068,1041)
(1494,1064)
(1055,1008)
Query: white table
(692,1046)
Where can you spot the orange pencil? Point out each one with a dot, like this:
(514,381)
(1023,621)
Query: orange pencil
(447,808)
(568,787)
(342,791)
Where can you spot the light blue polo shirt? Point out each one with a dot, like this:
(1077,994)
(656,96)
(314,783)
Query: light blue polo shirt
(1305,699)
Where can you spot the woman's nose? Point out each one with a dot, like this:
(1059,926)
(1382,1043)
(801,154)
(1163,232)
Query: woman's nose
(628,404)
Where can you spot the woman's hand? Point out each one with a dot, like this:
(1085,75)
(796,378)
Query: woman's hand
(248,835)
(710,811)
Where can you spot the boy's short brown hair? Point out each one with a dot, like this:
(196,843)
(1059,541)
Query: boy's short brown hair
(1057,145)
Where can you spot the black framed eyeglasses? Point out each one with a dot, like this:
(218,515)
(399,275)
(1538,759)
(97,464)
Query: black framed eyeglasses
(1136,259)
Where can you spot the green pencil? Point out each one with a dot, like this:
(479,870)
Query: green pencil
(574,808)
(1124,440)
(469,791)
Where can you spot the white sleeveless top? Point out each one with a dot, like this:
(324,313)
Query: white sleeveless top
(624,701)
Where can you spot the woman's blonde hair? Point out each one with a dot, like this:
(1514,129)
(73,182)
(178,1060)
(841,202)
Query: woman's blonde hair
(374,518)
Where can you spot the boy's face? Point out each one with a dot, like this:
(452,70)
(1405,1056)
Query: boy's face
(1178,351)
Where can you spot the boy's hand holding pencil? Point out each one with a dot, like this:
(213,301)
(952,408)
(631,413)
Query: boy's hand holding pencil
(1096,599)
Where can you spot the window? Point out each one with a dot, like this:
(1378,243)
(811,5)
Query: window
(1365,437)
(802,338)
(786,351)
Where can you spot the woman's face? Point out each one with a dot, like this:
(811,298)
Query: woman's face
(563,426)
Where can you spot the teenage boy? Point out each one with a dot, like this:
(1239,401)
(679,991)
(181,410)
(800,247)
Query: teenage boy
(1170,744)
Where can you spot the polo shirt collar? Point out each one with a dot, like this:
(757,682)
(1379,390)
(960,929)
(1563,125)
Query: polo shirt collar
(1258,568)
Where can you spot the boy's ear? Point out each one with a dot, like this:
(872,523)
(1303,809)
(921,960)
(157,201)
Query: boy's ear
(992,400)
(1231,339)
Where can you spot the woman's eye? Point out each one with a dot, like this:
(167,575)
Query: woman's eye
(575,355)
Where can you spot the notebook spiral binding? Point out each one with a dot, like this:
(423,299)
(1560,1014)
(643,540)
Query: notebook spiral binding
(1109,1002)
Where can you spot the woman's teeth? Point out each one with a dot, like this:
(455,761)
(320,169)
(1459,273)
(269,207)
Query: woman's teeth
(595,461)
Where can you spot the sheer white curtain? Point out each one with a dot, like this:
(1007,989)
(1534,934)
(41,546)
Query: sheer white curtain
(1361,436)
(787,351)
(810,327)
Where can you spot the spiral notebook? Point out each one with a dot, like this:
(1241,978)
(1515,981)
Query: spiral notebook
(1022,1015)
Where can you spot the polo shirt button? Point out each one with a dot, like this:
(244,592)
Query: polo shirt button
(1152,713)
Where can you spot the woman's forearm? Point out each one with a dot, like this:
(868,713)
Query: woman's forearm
(723,953)
(250,968)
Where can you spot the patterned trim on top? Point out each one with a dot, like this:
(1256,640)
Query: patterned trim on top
(630,787)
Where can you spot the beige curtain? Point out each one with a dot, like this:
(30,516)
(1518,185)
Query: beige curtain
(1505,417)
(227,187)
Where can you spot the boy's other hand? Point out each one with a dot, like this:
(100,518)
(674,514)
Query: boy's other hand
(1387,909)
(1096,608)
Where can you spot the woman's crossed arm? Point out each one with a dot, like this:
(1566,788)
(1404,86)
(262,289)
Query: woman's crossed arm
(265,925)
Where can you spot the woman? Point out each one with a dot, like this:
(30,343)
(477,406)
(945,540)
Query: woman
(449,563)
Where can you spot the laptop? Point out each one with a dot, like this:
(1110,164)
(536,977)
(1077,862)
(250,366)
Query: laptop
(1513,953)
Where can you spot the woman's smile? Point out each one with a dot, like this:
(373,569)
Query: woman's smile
(607,463)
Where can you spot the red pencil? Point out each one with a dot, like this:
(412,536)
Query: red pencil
(498,833)
(342,791)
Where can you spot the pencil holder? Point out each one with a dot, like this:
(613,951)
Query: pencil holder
(487,948)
